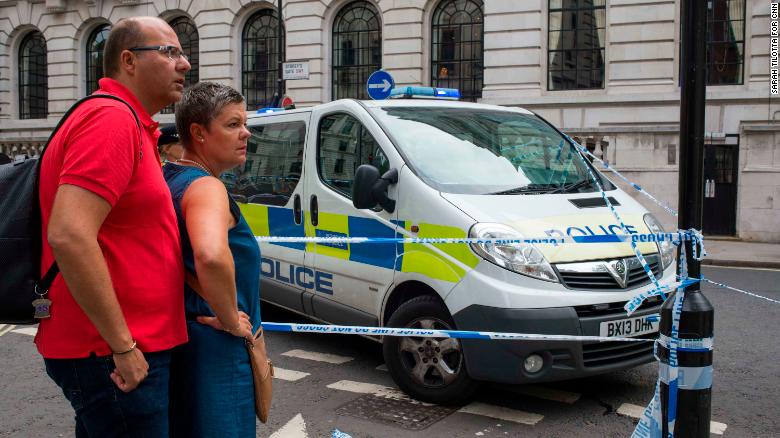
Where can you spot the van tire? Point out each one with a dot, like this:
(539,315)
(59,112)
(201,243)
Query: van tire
(432,382)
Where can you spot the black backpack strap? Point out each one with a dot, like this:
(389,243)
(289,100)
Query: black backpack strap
(43,285)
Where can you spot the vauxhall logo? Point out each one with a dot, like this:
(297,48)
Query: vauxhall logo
(618,270)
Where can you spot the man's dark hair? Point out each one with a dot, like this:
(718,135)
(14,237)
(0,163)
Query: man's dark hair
(126,33)
(202,103)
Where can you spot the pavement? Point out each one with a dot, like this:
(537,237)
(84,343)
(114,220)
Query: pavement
(740,253)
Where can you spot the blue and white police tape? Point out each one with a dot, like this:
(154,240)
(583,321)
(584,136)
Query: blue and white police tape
(634,303)
(693,345)
(674,237)
(637,187)
(725,286)
(649,425)
(428,333)
(634,247)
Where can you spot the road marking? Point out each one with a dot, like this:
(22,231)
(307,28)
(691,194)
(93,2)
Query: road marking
(717,428)
(634,411)
(548,393)
(382,367)
(5,328)
(295,428)
(30,331)
(288,375)
(319,357)
(630,410)
(501,413)
(376,390)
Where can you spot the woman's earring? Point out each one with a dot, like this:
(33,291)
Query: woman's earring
(201,139)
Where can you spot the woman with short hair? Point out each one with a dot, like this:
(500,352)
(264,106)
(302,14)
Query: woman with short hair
(211,377)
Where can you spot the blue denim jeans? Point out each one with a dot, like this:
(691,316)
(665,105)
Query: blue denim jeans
(102,409)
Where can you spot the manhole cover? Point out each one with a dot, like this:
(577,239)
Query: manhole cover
(407,414)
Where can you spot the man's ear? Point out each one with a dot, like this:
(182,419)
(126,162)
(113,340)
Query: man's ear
(127,61)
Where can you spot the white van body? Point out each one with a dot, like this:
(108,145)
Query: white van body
(299,180)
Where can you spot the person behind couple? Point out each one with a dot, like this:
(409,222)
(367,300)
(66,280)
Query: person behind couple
(212,392)
(117,308)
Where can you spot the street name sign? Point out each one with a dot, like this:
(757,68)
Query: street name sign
(295,70)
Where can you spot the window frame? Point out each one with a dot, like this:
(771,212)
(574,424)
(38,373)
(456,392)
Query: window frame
(26,111)
(708,65)
(251,94)
(437,12)
(191,50)
(90,80)
(335,51)
(602,48)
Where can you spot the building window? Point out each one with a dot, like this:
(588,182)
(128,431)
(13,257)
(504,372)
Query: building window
(576,38)
(457,39)
(357,49)
(725,41)
(260,58)
(188,39)
(33,77)
(95,43)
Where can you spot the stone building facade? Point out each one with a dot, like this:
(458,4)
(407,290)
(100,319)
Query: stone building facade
(618,92)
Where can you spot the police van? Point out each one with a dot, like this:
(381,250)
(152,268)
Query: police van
(441,168)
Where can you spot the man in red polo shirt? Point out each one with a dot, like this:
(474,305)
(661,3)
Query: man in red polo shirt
(108,220)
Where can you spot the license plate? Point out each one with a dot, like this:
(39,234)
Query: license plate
(638,325)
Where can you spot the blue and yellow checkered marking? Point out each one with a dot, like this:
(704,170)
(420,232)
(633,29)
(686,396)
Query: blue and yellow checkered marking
(418,258)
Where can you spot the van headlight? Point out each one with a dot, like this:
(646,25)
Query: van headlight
(522,258)
(665,248)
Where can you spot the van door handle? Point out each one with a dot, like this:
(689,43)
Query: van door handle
(314,210)
(297,213)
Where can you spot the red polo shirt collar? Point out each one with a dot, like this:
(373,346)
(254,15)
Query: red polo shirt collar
(112,86)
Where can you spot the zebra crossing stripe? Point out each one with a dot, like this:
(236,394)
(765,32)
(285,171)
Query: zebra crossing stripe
(319,357)
(501,413)
(5,328)
(634,411)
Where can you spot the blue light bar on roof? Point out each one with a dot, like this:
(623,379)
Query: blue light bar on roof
(269,110)
(425,92)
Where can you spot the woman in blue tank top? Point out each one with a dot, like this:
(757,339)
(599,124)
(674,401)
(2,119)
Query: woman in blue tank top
(211,390)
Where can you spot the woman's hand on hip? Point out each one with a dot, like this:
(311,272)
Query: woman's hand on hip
(243,329)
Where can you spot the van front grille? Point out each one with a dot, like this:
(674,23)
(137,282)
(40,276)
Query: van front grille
(596,275)
(612,353)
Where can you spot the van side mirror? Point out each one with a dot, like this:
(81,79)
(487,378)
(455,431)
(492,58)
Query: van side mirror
(369,189)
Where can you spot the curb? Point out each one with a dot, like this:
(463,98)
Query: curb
(741,263)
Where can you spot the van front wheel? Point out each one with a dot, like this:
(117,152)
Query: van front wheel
(432,370)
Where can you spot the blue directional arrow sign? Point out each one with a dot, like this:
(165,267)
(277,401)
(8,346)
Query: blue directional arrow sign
(380,83)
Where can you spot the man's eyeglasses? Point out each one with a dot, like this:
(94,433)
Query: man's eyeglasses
(174,53)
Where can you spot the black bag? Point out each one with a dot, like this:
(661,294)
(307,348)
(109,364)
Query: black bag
(20,233)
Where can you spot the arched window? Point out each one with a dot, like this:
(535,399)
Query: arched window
(95,43)
(260,58)
(357,49)
(33,77)
(188,39)
(456,47)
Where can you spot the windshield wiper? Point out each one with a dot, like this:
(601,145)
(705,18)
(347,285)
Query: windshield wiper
(527,189)
(570,188)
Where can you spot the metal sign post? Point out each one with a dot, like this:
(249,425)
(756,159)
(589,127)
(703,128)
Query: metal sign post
(280,50)
(686,374)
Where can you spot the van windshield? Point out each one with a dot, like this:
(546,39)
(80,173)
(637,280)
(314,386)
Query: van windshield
(473,151)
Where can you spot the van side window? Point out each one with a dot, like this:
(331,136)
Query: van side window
(344,144)
(274,162)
